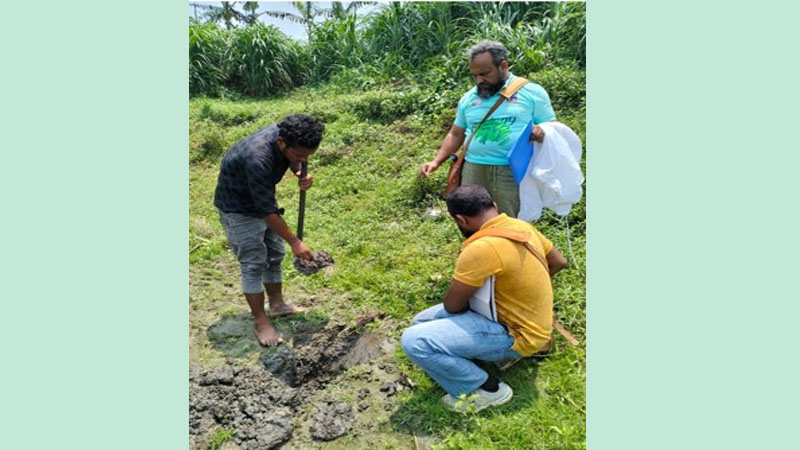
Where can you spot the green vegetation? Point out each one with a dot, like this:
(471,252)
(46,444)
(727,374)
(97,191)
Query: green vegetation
(386,86)
(219,437)
(423,42)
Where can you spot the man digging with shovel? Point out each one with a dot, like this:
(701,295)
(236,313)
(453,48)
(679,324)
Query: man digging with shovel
(249,213)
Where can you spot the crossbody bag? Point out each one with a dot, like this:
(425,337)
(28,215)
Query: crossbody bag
(457,164)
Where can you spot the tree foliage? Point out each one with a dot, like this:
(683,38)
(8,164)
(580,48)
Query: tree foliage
(424,42)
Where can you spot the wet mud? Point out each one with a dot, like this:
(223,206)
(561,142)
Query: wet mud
(269,405)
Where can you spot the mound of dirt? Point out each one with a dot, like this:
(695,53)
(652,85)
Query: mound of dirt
(250,401)
(258,404)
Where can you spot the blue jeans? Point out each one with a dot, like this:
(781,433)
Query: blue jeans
(443,344)
(258,249)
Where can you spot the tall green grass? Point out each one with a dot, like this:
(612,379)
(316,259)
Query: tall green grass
(257,61)
(335,45)
(208,59)
(422,42)
(265,61)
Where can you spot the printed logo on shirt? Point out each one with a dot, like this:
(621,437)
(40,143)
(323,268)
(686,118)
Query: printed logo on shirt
(496,131)
(475,103)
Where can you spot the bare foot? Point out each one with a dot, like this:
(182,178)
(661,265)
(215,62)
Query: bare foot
(267,336)
(285,310)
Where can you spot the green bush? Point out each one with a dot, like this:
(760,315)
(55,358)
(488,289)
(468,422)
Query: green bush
(207,141)
(567,87)
(386,107)
(228,114)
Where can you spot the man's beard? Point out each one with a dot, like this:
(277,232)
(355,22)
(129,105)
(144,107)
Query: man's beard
(465,233)
(486,90)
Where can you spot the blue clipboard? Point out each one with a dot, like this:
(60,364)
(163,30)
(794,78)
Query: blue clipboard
(521,153)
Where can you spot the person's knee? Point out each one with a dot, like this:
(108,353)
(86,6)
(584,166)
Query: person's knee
(413,342)
(252,269)
(275,259)
(432,313)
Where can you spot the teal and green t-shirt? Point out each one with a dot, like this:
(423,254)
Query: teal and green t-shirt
(499,133)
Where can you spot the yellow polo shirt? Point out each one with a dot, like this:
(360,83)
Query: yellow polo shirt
(523,292)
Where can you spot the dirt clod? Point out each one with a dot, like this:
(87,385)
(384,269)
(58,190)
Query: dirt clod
(250,401)
(222,375)
(389,389)
(281,364)
(368,317)
(318,261)
(332,420)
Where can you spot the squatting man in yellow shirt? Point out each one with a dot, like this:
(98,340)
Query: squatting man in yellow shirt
(445,338)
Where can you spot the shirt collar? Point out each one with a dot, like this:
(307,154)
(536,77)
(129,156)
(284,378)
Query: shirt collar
(511,76)
(494,221)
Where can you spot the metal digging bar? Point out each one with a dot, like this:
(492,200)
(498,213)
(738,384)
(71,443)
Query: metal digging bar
(320,259)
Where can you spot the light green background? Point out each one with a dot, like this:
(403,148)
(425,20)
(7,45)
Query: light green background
(95,225)
(692,236)
(692,168)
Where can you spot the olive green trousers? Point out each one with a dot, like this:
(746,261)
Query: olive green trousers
(498,180)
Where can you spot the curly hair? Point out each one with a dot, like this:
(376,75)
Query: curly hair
(469,201)
(301,129)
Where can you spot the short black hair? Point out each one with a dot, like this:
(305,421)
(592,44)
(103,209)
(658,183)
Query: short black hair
(469,201)
(301,129)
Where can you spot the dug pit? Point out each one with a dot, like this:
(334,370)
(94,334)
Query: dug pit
(263,405)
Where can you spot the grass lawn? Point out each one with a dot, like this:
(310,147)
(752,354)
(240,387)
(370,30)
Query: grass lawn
(368,209)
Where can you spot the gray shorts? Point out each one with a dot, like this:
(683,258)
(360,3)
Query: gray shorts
(259,250)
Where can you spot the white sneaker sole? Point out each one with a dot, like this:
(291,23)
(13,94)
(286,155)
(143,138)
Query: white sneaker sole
(499,401)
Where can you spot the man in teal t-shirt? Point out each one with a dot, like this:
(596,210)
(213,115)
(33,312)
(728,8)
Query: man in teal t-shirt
(485,162)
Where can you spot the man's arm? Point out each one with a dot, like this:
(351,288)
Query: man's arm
(452,142)
(457,296)
(276,223)
(555,261)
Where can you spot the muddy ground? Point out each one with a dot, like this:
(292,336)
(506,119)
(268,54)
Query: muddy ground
(326,381)
(333,384)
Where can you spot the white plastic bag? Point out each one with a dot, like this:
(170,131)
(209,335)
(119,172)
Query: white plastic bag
(554,176)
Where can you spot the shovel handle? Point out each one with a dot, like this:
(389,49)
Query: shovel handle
(301,214)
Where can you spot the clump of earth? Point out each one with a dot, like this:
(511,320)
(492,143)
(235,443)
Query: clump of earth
(332,420)
(260,404)
(319,260)
(253,403)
